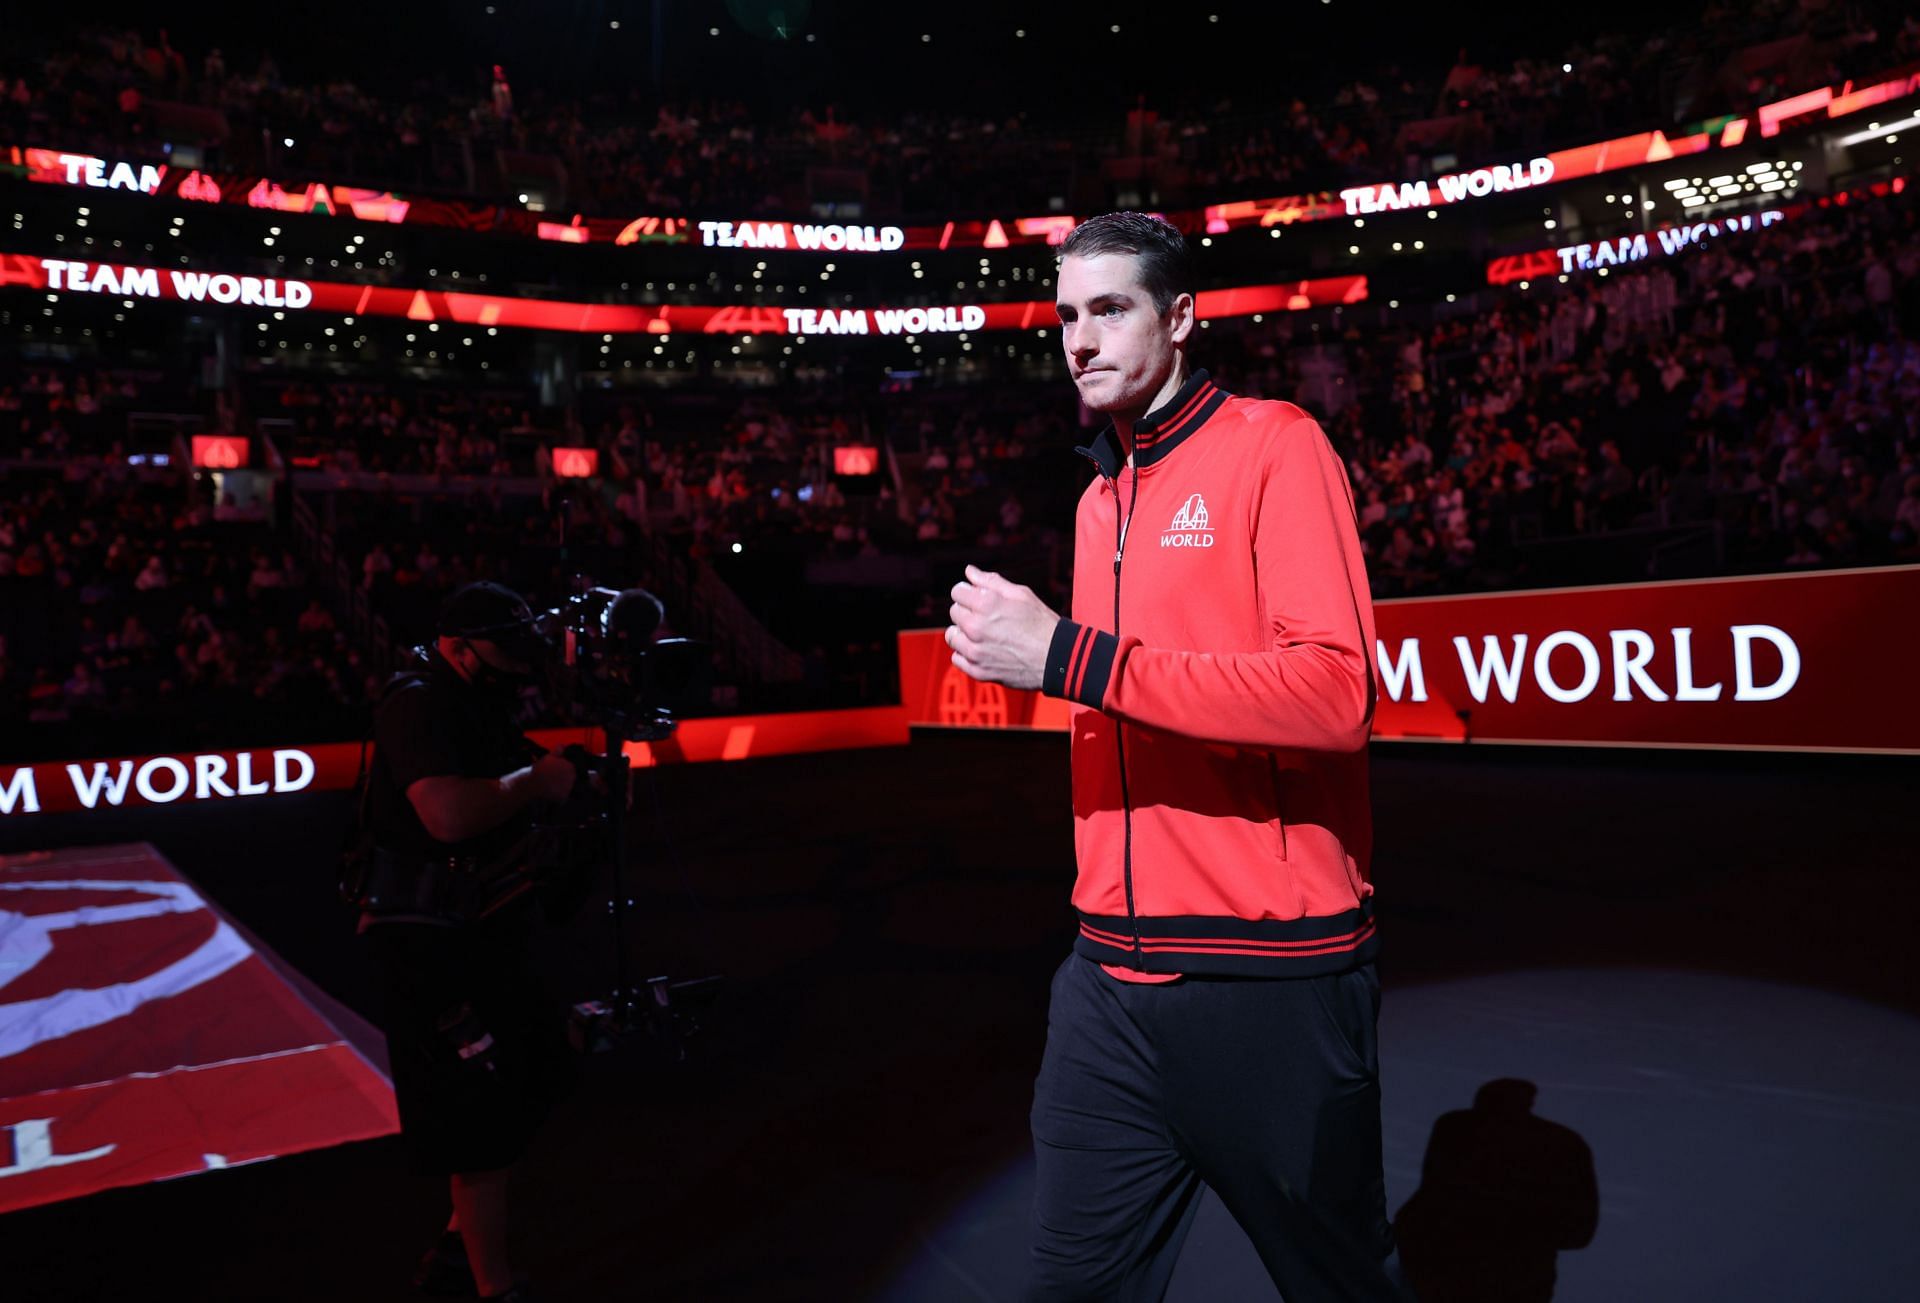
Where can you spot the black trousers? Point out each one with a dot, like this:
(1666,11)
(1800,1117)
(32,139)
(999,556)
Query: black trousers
(478,1051)
(1266,1090)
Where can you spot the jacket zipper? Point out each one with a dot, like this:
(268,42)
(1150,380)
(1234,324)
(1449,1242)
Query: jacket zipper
(1120,527)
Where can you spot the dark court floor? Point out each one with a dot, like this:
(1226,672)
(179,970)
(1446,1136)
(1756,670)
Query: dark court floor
(1658,1004)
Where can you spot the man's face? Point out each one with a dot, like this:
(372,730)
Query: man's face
(1121,349)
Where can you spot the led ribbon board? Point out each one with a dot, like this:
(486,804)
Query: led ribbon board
(1793,662)
(59,276)
(88,171)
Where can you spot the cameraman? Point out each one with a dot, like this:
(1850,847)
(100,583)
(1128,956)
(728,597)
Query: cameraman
(478,1055)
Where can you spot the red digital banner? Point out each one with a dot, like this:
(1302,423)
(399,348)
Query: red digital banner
(1666,241)
(60,167)
(72,276)
(219,452)
(63,786)
(576,463)
(856,459)
(1768,662)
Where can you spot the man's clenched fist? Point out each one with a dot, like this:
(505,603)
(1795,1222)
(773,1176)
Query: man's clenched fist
(1000,630)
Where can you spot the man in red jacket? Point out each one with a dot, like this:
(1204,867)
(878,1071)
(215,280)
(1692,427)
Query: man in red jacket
(1216,1021)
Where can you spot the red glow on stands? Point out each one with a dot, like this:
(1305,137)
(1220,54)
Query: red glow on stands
(576,463)
(856,459)
(996,237)
(219,452)
(1736,131)
(564,234)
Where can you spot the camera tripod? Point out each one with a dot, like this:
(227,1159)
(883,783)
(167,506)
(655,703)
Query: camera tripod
(668,1010)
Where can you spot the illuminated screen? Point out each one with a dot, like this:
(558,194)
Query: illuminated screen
(219,452)
(576,463)
(856,459)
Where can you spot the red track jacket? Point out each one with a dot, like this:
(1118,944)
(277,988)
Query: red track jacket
(1220,655)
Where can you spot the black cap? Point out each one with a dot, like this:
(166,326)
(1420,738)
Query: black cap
(488,611)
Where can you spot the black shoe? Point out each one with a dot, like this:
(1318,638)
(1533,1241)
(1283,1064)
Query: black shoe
(444,1272)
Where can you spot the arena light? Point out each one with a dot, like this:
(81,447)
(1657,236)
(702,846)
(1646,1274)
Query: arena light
(1876,130)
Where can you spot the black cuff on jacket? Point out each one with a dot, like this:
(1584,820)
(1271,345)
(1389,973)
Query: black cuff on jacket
(1079,663)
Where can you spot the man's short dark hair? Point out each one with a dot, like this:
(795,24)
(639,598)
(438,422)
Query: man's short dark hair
(1166,268)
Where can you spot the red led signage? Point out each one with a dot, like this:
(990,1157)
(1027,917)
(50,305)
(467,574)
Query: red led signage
(71,276)
(60,167)
(219,452)
(1770,662)
(576,463)
(855,459)
(1666,241)
(80,785)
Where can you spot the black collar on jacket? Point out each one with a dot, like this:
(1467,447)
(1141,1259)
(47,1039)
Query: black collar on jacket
(1160,431)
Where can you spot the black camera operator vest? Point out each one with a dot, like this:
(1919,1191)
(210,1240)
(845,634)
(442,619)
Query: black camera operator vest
(431,723)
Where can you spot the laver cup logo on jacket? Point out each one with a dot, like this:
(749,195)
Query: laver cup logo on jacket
(1189,528)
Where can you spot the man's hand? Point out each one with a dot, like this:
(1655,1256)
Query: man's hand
(596,780)
(553,776)
(1000,631)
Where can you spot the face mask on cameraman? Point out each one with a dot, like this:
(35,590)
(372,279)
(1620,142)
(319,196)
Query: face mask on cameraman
(490,680)
(488,623)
